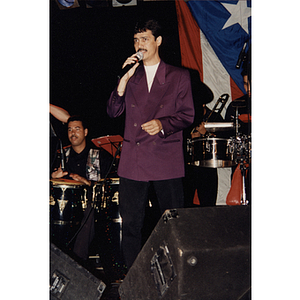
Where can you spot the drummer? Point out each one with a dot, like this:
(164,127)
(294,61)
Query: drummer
(87,165)
(201,179)
(242,105)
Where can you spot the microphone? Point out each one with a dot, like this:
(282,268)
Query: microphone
(139,56)
(242,56)
(62,156)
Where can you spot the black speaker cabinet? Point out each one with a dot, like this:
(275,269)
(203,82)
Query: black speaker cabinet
(70,281)
(194,253)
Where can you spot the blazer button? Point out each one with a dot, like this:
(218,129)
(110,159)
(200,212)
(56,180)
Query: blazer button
(134,124)
(138,143)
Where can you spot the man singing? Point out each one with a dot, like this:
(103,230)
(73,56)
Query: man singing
(157,100)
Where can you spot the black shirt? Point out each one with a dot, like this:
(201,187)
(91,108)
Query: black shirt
(77,162)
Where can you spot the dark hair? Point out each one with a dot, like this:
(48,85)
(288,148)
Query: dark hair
(148,24)
(77,118)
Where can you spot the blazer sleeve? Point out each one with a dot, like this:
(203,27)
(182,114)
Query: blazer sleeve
(115,104)
(184,114)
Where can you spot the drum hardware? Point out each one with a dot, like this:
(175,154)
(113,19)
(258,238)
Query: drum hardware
(241,148)
(84,200)
(52,200)
(60,222)
(103,198)
(222,102)
(62,156)
(61,205)
(62,202)
(243,157)
(218,107)
(236,121)
(218,126)
(99,199)
(241,145)
(244,168)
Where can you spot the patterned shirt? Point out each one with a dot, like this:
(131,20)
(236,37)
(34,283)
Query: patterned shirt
(92,165)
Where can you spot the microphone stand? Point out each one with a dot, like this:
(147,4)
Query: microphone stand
(60,146)
(62,156)
(245,155)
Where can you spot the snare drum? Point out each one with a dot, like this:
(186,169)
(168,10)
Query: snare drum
(67,199)
(211,152)
(108,227)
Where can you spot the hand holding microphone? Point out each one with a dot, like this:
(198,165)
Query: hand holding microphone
(128,69)
(131,63)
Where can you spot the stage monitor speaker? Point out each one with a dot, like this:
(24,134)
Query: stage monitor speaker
(194,253)
(70,281)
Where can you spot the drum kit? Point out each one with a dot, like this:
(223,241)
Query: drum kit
(68,201)
(214,152)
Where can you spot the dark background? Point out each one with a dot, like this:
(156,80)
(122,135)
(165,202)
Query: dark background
(87,49)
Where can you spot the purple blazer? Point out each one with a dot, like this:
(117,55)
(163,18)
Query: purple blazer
(159,157)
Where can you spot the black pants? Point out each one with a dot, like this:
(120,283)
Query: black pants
(133,197)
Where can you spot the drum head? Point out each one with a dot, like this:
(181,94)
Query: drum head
(66,182)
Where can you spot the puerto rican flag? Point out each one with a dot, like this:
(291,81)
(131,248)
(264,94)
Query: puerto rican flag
(212,35)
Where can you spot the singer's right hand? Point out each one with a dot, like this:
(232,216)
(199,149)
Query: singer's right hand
(59,173)
(131,60)
(123,81)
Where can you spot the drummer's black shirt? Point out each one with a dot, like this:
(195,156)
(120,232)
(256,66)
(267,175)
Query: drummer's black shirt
(77,162)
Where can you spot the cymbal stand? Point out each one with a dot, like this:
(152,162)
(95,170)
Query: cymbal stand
(244,168)
(242,155)
(236,121)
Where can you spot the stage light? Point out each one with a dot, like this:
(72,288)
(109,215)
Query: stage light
(118,3)
(64,4)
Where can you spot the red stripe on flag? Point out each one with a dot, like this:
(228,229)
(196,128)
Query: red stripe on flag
(189,37)
(235,90)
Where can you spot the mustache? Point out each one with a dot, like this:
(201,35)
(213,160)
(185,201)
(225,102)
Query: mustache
(141,49)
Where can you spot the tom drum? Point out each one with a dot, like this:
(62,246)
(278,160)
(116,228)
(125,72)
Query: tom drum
(67,202)
(108,227)
(211,152)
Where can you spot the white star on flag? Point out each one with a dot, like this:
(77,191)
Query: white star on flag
(240,13)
